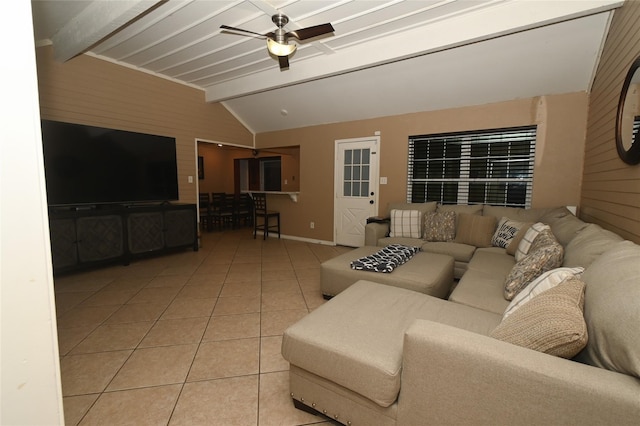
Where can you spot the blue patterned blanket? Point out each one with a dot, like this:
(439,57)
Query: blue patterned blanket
(385,260)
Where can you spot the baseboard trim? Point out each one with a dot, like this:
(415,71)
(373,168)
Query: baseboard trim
(295,238)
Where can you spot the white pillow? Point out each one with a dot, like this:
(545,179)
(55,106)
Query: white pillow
(406,223)
(529,236)
(544,282)
(506,231)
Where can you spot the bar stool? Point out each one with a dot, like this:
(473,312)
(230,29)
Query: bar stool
(260,211)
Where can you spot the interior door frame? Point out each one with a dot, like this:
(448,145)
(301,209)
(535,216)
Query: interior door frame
(374,182)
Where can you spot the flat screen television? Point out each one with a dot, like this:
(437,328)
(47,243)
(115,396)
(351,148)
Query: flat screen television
(86,165)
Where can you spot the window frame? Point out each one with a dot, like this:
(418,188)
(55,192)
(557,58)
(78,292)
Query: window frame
(502,167)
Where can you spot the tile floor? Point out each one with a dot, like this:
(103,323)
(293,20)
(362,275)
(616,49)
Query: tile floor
(191,338)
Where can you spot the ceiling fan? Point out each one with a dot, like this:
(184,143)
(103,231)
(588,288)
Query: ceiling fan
(278,40)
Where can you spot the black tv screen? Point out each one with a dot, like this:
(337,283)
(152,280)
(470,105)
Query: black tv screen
(93,165)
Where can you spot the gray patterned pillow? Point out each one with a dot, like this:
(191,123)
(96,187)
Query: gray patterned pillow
(545,254)
(439,226)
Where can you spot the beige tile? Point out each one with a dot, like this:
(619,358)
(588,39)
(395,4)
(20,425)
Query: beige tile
(282,301)
(68,338)
(149,406)
(156,295)
(222,402)
(113,337)
(80,283)
(236,305)
(278,275)
(313,299)
(155,366)
(90,373)
(86,315)
(244,272)
(189,308)
(104,297)
(275,403)
(226,358)
(204,291)
(179,270)
(243,288)
(276,264)
(284,286)
(271,355)
(274,323)
(127,283)
(137,312)
(226,327)
(168,281)
(75,407)
(307,274)
(67,301)
(175,332)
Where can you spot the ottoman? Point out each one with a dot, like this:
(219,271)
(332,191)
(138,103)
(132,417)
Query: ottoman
(428,273)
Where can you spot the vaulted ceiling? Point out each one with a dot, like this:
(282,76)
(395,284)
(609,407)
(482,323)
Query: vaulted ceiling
(385,57)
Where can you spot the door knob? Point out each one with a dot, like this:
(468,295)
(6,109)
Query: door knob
(372,194)
(370,201)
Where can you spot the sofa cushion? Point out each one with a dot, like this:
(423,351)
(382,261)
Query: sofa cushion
(505,232)
(612,310)
(546,254)
(515,213)
(475,230)
(544,282)
(460,208)
(439,226)
(588,244)
(356,338)
(551,322)
(406,223)
(565,228)
(459,252)
(525,244)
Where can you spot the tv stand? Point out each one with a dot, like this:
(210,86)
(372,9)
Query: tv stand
(89,237)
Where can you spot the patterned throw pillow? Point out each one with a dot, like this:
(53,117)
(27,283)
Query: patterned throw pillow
(507,231)
(541,258)
(529,236)
(552,322)
(544,282)
(406,223)
(439,226)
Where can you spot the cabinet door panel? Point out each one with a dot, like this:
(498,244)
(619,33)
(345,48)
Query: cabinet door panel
(145,232)
(99,238)
(180,227)
(64,251)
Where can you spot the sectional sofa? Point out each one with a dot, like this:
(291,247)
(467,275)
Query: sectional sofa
(507,346)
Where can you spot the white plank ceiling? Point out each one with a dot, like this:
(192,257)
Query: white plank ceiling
(385,57)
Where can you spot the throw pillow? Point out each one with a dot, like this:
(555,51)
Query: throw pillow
(544,282)
(552,322)
(529,236)
(439,226)
(507,230)
(612,310)
(475,230)
(537,262)
(513,244)
(405,223)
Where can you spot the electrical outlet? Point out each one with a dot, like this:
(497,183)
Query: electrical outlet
(312,225)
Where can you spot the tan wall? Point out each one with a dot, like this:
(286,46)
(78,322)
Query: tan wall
(91,91)
(611,188)
(561,122)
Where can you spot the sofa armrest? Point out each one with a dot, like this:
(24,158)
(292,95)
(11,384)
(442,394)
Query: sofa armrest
(374,231)
(453,376)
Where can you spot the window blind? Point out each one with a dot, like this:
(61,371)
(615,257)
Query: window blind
(481,167)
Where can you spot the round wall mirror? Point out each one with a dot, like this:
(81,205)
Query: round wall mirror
(628,120)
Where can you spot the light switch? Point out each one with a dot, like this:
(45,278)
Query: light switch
(383,180)
(190,178)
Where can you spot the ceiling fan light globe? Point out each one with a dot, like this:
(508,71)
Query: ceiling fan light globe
(279,49)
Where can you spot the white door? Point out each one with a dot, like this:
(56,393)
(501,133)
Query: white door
(356,188)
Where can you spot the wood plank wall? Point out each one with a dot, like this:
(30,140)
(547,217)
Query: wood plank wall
(610,188)
(91,91)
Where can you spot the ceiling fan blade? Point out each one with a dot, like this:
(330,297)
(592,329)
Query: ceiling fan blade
(284,62)
(310,32)
(240,30)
